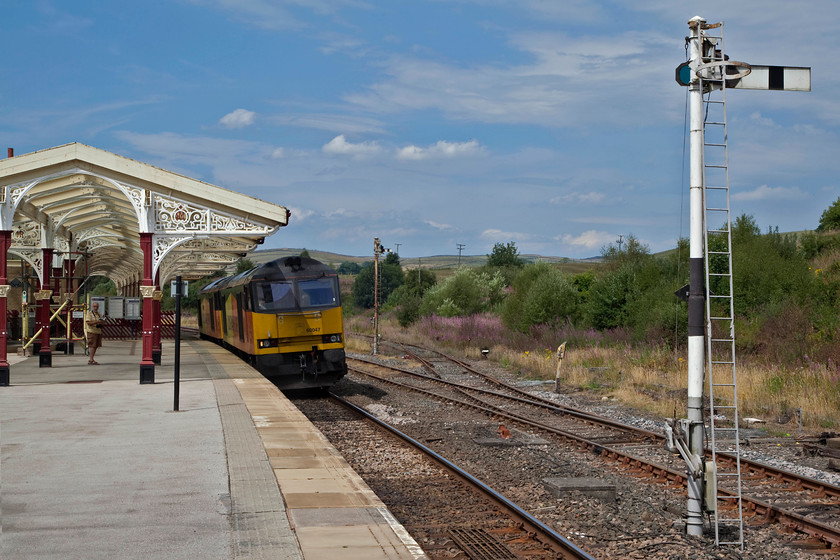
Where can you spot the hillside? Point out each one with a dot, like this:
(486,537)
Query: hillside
(434,262)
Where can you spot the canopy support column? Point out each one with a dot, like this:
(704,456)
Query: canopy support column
(157,347)
(147,364)
(5,241)
(69,268)
(44,296)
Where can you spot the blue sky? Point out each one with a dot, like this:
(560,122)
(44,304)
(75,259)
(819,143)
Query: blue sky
(554,124)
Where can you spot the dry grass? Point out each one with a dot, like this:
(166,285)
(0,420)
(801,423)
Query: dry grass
(655,380)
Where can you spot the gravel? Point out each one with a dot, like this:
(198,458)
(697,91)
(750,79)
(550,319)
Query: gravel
(644,521)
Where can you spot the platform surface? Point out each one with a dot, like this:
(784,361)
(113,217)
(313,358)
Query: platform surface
(95,465)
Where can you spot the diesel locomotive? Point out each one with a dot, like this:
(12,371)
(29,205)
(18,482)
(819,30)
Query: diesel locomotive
(283,317)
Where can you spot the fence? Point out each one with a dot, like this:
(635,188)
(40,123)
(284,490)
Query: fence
(114,329)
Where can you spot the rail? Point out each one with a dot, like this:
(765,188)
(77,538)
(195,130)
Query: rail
(789,482)
(564,546)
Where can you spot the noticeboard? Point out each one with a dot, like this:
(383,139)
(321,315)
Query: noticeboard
(132,308)
(101,301)
(116,307)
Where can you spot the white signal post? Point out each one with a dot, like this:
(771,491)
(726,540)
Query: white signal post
(696,297)
(738,75)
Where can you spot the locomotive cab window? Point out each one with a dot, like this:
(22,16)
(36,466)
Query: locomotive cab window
(315,293)
(284,296)
(274,296)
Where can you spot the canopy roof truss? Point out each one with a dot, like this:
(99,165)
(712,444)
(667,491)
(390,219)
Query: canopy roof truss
(92,205)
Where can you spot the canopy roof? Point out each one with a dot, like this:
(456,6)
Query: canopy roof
(90,204)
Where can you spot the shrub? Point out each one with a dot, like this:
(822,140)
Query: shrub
(541,295)
(609,295)
(408,311)
(464,293)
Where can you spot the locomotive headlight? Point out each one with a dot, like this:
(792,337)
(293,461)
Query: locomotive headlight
(268,343)
(331,338)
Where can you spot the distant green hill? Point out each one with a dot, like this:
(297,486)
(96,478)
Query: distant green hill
(434,262)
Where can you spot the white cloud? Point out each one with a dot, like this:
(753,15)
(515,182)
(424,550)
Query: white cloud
(299,214)
(769,193)
(442,149)
(496,235)
(331,122)
(441,227)
(339,213)
(760,119)
(279,153)
(619,220)
(240,118)
(565,81)
(282,14)
(591,197)
(340,145)
(590,239)
(191,150)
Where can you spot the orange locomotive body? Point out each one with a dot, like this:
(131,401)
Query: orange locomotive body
(284,317)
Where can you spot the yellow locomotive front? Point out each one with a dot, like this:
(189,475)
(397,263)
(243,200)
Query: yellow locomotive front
(297,324)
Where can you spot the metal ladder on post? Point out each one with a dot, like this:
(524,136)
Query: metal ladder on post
(723,487)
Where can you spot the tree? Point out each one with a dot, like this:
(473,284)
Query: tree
(190,300)
(609,297)
(305,254)
(349,268)
(767,270)
(830,219)
(503,256)
(102,286)
(244,264)
(467,292)
(390,278)
(417,282)
(633,252)
(408,297)
(542,294)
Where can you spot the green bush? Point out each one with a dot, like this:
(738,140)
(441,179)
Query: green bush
(541,295)
(830,218)
(390,278)
(767,269)
(466,292)
(408,311)
(609,296)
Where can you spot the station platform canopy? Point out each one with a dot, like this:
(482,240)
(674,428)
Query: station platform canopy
(94,207)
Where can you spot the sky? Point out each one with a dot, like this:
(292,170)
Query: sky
(556,125)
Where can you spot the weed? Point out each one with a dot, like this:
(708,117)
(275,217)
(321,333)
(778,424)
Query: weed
(647,375)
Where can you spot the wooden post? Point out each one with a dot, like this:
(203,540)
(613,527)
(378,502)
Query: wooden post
(561,355)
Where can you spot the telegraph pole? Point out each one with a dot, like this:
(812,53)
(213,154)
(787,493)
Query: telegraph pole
(378,249)
(460,247)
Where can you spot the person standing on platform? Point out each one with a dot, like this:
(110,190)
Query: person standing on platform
(93,331)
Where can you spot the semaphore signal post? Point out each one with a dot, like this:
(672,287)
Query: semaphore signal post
(710,314)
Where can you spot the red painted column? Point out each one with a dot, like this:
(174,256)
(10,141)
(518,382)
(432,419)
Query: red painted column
(157,349)
(147,364)
(5,241)
(44,311)
(56,290)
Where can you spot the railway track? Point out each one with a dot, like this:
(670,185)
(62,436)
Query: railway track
(770,495)
(463,511)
